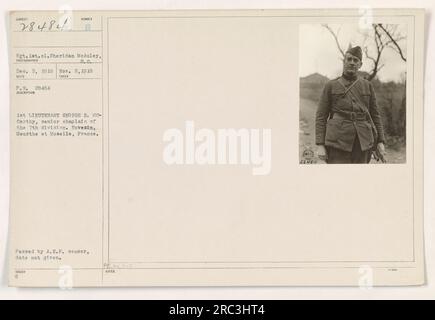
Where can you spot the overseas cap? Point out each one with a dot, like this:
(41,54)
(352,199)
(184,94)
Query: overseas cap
(355,51)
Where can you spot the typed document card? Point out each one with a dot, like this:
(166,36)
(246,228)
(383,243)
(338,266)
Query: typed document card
(216,148)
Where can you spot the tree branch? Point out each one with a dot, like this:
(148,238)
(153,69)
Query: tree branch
(337,42)
(394,41)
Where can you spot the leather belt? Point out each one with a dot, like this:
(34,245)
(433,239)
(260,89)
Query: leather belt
(351,116)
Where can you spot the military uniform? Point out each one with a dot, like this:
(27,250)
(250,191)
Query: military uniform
(343,121)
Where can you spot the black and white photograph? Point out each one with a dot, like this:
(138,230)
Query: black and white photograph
(352,93)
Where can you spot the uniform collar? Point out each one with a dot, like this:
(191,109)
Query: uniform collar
(349,80)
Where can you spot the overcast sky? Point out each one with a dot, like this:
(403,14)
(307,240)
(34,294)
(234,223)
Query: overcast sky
(319,53)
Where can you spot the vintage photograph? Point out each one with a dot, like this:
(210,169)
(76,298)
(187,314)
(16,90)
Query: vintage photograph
(352,93)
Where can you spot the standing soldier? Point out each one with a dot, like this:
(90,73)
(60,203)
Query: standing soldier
(348,123)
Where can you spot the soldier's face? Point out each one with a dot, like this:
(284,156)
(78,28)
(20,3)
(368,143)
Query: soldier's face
(351,64)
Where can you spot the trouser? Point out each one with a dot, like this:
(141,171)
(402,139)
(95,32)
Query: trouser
(355,156)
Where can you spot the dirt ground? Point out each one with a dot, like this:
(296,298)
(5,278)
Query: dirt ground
(307,136)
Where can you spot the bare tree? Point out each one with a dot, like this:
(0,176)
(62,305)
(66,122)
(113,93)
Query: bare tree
(379,45)
(335,36)
(382,37)
(392,33)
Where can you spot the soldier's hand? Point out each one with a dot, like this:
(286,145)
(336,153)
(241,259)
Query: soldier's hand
(321,152)
(381,152)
